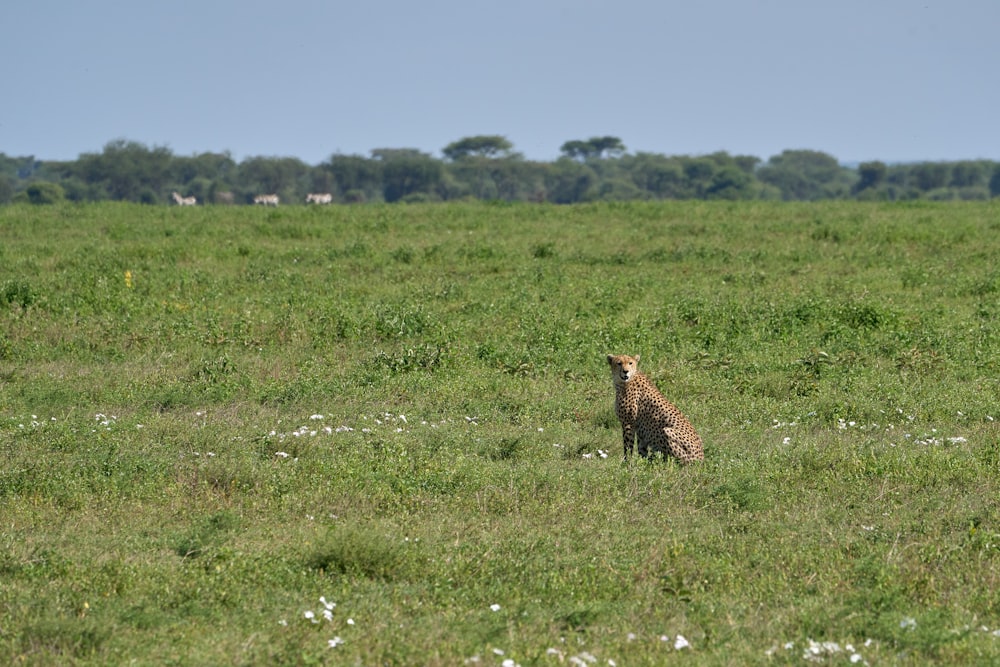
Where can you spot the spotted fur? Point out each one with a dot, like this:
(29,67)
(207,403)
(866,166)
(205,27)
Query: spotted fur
(648,417)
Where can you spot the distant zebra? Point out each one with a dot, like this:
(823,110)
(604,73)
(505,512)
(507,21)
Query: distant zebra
(184,201)
(266,200)
(324,198)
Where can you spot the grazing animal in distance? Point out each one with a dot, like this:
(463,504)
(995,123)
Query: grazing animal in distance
(266,200)
(648,417)
(323,198)
(184,201)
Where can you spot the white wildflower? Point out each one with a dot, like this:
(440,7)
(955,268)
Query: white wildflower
(680,643)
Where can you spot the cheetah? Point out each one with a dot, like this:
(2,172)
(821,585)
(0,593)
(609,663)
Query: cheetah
(649,417)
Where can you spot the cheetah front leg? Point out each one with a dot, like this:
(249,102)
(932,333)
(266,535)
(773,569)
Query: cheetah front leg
(628,437)
(644,447)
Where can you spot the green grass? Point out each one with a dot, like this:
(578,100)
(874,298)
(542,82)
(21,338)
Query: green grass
(212,417)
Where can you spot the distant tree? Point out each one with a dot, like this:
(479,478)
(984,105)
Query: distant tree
(126,169)
(42,192)
(272,175)
(658,175)
(608,147)
(386,154)
(806,175)
(568,181)
(406,171)
(213,166)
(357,175)
(483,146)
(730,182)
(747,163)
(698,172)
(928,176)
(870,175)
(6,188)
(577,150)
(968,174)
(593,148)
(995,181)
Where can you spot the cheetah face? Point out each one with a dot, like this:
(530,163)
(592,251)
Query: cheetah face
(623,367)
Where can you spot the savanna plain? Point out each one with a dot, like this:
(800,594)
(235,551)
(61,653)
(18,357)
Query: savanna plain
(384,435)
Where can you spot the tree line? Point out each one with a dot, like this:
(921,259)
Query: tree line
(485,167)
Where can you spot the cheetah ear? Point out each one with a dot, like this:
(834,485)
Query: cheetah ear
(610,357)
(637,358)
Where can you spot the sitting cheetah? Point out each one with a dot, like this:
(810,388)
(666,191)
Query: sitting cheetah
(645,413)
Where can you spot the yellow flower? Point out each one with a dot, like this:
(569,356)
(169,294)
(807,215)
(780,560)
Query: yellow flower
(128,279)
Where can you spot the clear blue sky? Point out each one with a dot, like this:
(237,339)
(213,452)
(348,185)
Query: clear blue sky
(894,80)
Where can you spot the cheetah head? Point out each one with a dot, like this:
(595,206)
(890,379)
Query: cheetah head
(623,367)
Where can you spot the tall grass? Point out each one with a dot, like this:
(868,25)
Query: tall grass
(210,418)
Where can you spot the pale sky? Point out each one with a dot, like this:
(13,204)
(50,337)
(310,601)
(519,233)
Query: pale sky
(891,80)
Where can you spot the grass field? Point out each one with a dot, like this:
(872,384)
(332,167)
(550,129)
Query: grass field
(384,435)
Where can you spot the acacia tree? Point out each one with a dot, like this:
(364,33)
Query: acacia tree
(593,148)
(483,145)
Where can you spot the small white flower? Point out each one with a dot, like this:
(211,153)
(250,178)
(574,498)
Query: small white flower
(680,643)
(350,621)
(856,658)
(311,616)
(494,607)
(315,416)
(498,651)
(335,642)
(282,622)
(908,623)
(281,455)
(402,418)
(588,456)
(328,605)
